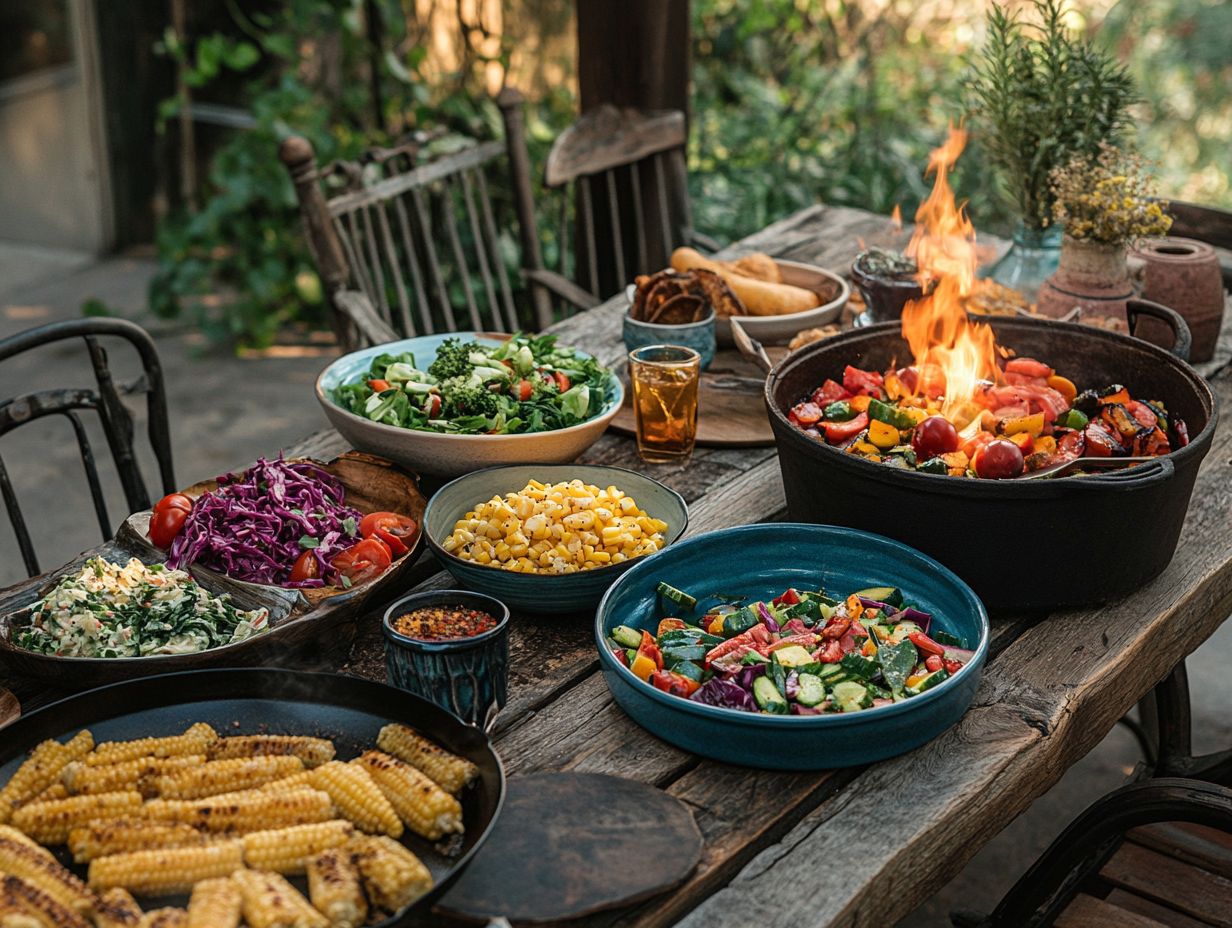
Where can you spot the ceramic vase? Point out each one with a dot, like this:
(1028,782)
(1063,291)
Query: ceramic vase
(1092,276)
(1033,255)
(1183,274)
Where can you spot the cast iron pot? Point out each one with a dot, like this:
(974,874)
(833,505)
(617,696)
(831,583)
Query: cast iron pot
(1021,544)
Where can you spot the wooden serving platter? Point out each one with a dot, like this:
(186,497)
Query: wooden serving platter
(299,619)
(731,411)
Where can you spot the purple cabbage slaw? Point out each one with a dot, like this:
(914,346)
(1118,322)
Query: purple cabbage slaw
(256,524)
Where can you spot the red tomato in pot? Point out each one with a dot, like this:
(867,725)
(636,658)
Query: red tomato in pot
(1142,413)
(841,431)
(830,392)
(866,383)
(363,560)
(1100,443)
(397,532)
(306,567)
(676,684)
(999,460)
(174,501)
(935,435)
(806,413)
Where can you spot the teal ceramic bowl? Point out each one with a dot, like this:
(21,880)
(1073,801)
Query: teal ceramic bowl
(696,335)
(760,561)
(441,455)
(545,593)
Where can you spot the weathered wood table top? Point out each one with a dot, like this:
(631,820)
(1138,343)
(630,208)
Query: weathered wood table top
(1050,692)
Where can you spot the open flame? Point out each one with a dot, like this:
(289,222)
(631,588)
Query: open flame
(953,354)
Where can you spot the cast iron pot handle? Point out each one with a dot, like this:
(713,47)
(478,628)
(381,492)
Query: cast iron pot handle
(1131,478)
(1182,340)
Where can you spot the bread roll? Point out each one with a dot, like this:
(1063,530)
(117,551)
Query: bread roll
(760,297)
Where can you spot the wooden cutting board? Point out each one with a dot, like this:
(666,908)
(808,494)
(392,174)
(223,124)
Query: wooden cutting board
(571,844)
(731,411)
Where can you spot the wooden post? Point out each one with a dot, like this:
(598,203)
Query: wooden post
(510,102)
(634,53)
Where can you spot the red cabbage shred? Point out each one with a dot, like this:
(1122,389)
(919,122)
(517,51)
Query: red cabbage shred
(252,526)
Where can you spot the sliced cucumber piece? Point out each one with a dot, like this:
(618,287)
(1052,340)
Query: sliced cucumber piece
(937,676)
(768,697)
(810,690)
(852,697)
(679,597)
(890,595)
(627,636)
(688,669)
(858,666)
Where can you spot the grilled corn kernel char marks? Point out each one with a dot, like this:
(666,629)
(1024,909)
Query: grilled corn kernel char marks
(240,813)
(225,776)
(29,899)
(196,740)
(335,889)
(288,850)
(449,771)
(165,871)
(215,903)
(120,835)
(41,770)
(165,918)
(50,822)
(313,752)
(271,902)
(36,866)
(426,809)
(140,774)
(117,909)
(392,876)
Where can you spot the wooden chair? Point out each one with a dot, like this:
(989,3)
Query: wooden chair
(105,399)
(620,178)
(1152,854)
(401,245)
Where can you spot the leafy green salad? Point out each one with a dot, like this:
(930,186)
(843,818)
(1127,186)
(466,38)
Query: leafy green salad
(134,610)
(527,384)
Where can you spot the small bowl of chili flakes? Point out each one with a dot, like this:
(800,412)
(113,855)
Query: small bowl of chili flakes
(452,647)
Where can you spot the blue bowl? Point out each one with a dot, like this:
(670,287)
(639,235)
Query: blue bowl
(761,561)
(466,676)
(544,593)
(696,335)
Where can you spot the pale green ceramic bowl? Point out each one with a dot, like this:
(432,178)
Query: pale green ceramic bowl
(544,593)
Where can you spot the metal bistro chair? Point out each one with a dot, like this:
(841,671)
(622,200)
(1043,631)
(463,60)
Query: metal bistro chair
(620,170)
(393,256)
(105,399)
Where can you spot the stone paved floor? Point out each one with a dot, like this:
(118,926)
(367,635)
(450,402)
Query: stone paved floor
(227,410)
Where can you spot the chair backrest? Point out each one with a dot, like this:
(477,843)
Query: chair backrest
(621,180)
(105,399)
(419,241)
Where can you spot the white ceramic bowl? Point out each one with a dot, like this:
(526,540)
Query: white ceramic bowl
(443,455)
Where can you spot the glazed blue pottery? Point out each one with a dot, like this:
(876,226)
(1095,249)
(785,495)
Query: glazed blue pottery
(544,593)
(696,335)
(760,562)
(466,676)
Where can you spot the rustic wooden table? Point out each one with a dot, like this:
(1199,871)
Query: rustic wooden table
(779,846)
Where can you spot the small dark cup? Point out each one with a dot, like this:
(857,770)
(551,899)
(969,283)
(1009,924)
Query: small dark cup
(467,676)
(884,297)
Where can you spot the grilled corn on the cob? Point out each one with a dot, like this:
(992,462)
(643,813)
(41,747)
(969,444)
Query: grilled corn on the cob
(196,740)
(225,776)
(393,877)
(335,889)
(312,751)
(288,850)
(358,798)
(117,909)
(41,770)
(240,813)
(31,900)
(120,835)
(165,871)
(36,866)
(271,902)
(139,774)
(215,903)
(50,822)
(426,809)
(165,918)
(448,771)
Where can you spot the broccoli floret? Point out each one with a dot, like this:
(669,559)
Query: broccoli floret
(453,359)
(464,398)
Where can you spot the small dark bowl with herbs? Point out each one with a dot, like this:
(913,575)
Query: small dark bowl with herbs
(452,647)
(887,282)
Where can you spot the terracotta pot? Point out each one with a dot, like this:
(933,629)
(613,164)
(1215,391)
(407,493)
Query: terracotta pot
(1184,274)
(1093,276)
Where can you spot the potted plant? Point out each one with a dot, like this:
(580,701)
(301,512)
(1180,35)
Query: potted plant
(1040,96)
(1103,203)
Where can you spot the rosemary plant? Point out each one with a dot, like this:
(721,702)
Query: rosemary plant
(1042,97)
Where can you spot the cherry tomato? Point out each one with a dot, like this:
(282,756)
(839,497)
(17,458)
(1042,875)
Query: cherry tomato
(1143,413)
(379,386)
(165,525)
(935,435)
(807,413)
(363,560)
(523,390)
(174,501)
(867,383)
(432,405)
(951,667)
(841,431)
(999,460)
(397,532)
(674,683)
(830,392)
(306,567)
(932,663)
(563,383)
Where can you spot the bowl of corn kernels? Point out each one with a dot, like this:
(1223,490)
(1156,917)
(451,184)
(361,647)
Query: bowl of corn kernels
(550,538)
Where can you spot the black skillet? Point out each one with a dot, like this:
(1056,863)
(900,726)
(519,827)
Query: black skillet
(348,710)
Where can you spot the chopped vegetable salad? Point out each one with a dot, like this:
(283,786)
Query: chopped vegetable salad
(802,653)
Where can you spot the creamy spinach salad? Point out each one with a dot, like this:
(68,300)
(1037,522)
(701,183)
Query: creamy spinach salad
(135,610)
(526,384)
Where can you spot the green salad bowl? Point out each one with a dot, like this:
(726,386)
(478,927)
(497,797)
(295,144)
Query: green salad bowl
(438,454)
(544,593)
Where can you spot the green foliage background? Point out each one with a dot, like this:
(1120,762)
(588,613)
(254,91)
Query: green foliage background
(794,101)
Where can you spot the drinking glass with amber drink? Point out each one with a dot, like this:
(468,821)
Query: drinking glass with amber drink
(664,381)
